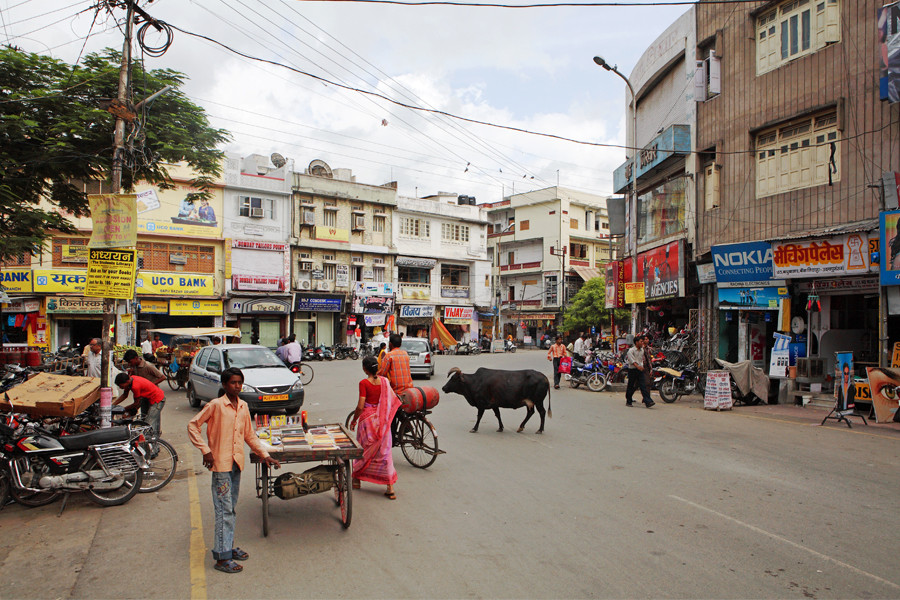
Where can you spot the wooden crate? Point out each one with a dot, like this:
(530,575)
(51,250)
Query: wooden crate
(51,395)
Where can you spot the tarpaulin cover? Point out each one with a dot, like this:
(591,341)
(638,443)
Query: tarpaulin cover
(444,337)
(748,378)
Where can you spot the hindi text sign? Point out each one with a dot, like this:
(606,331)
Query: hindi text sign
(115,220)
(110,273)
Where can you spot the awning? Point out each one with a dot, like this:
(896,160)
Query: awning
(586,273)
(199,331)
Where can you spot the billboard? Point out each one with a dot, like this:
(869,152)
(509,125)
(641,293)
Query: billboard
(660,270)
(171,212)
(889,241)
(615,285)
(747,262)
(888,20)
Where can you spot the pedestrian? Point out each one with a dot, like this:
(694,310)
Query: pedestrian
(381,352)
(147,345)
(374,412)
(157,343)
(93,358)
(395,365)
(281,350)
(147,396)
(140,366)
(578,348)
(556,352)
(635,363)
(357,336)
(228,424)
(293,353)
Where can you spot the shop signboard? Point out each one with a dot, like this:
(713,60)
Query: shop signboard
(332,234)
(751,298)
(22,305)
(458,315)
(175,284)
(318,303)
(156,307)
(745,263)
(74,254)
(373,304)
(114,220)
(415,292)
(615,286)
(110,273)
(375,320)
(413,311)
(661,272)
(369,288)
(634,293)
(848,284)
(829,257)
(258,306)
(173,212)
(706,273)
(259,283)
(74,304)
(60,281)
(342,275)
(454,292)
(718,391)
(195,308)
(410,261)
(16,280)
(890,242)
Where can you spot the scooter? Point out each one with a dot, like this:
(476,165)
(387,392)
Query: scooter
(508,346)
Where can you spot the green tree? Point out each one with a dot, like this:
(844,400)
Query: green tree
(54,131)
(588,307)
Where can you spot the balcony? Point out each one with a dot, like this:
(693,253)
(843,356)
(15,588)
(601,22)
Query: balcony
(520,266)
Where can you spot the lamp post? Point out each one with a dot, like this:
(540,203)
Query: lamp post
(632,226)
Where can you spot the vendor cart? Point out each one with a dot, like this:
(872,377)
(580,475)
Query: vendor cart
(181,344)
(336,462)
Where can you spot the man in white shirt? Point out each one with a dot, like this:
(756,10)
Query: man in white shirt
(578,348)
(147,345)
(93,358)
(634,360)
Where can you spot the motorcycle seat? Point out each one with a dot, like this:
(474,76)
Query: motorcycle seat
(80,441)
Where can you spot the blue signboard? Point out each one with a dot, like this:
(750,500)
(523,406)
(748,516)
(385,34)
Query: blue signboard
(756,298)
(889,243)
(675,139)
(318,304)
(751,261)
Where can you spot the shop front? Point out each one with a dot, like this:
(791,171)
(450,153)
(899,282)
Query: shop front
(415,320)
(373,304)
(530,327)
(460,322)
(74,319)
(317,318)
(659,278)
(166,300)
(23,323)
(263,319)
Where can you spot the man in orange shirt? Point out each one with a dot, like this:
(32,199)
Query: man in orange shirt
(395,365)
(556,352)
(228,425)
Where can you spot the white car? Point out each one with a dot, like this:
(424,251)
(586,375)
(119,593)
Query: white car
(421,358)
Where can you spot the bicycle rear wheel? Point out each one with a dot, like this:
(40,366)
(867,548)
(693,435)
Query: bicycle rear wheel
(419,442)
(162,467)
(306,374)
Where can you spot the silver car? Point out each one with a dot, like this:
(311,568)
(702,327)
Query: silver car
(268,383)
(421,358)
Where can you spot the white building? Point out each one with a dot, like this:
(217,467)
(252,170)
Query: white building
(257,229)
(442,267)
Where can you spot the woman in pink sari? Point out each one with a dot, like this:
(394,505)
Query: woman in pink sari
(376,408)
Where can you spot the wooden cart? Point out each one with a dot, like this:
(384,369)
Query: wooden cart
(338,459)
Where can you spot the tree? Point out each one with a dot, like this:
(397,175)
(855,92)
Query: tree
(588,307)
(55,134)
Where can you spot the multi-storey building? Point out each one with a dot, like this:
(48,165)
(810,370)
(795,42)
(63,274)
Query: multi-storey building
(442,266)
(543,245)
(342,254)
(257,231)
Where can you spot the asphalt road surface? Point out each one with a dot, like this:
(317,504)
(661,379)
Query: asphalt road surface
(611,502)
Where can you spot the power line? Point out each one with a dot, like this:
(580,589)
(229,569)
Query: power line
(546,5)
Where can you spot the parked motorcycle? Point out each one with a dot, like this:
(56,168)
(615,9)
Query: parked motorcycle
(342,351)
(679,382)
(469,347)
(14,375)
(589,373)
(327,353)
(39,466)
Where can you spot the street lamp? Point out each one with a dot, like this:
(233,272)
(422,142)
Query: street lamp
(632,228)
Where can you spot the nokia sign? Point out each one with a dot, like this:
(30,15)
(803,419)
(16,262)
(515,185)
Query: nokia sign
(743,262)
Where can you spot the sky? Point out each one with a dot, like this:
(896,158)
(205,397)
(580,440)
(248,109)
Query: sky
(527,68)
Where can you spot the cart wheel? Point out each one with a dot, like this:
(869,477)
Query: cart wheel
(342,492)
(170,377)
(419,442)
(265,499)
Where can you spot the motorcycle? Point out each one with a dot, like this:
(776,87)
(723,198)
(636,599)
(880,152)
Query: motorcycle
(589,373)
(106,464)
(14,375)
(342,351)
(508,346)
(468,348)
(679,382)
(327,353)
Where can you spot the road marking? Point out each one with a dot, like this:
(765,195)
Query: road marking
(790,543)
(197,554)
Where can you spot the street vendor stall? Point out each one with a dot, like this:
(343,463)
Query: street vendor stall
(330,444)
(181,344)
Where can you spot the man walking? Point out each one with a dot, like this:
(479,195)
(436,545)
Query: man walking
(556,352)
(635,363)
(228,425)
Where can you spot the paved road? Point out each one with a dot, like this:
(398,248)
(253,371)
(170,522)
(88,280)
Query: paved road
(610,502)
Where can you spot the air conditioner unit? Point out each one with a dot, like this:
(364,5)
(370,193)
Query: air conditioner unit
(359,222)
(309,217)
(323,286)
(305,285)
(256,213)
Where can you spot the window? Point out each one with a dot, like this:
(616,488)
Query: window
(578,250)
(661,210)
(174,257)
(455,275)
(415,228)
(413,275)
(604,225)
(214,364)
(573,223)
(524,225)
(451,232)
(330,218)
(378,273)
(511,258)
(794,29)
(797,155)
(711,185)
(378,224)
(551,290)
(330,271)
(258,208)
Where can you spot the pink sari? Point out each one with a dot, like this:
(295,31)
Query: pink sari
(374,434)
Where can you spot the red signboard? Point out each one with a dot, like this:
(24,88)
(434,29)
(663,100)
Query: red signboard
(615,284)
(660,269)
(258,283)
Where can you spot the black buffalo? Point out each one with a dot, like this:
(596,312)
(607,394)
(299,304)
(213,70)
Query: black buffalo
(495,389)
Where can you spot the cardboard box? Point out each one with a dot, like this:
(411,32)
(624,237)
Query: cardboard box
(50,395)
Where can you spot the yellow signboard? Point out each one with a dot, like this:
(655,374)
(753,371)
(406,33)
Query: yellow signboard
(110,273)
(159,307)
(115,220)
(175,284)
(74,254)
(60,281)
(634,293)
(332,234)
(170,212)
(16,280)
(195,308)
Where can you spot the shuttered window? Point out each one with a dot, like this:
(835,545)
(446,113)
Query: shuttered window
(793,29)
(797,155)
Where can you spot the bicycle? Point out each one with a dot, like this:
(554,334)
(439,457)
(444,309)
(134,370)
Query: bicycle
(415,435)
(304,372)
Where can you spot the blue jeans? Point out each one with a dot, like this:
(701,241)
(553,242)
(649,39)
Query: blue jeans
(225,488)
(153,416)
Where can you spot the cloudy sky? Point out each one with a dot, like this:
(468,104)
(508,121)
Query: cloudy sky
(528,68)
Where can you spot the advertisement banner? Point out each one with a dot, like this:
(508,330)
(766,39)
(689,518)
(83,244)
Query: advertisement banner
(458,315)
(832,257)
(365,288)
(332,234)
(171,212)
(883,385)
(110,273)
(634,293)
(844,390)
(156,307)
(780,359)
(888,20)
(375,320)
(415,293)
(342,275)
(706,273)
(319,303)
(114,218)
(718,391)
(757,298)
(195,308)
(660,269)
(743,263)
(175,284)
(373,304)
(258,283)
(411,311)
(60,281)
(615,287)
(16,280)
(454,292)
(70,304)
(889,241)
(74,254)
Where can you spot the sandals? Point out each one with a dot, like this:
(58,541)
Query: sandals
(229,566)
(238,554)
(390,495)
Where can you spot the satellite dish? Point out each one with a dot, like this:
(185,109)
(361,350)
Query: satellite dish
(320,168)
(277,160)
(798,325)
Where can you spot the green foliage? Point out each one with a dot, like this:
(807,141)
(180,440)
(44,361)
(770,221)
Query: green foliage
(53,132)
(588,307)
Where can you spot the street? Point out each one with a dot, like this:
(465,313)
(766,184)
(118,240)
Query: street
(610,502)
